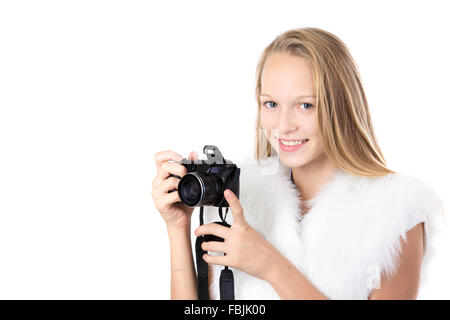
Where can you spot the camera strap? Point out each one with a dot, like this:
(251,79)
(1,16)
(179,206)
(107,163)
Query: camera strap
(202,266)
(226,281)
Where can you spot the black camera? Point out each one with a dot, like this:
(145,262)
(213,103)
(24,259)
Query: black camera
(206,180)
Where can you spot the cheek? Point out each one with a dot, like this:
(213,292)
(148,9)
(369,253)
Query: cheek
(269,123)
(313,132)
(267,120)
(310,127)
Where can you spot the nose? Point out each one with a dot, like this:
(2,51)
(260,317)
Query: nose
(287,122)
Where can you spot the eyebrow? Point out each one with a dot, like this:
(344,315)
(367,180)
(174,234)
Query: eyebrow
(298,97)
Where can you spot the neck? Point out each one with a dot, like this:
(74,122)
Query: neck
(310,177)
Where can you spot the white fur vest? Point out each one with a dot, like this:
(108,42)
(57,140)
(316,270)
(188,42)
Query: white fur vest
(350,236)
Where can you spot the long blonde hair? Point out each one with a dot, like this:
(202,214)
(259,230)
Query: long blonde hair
(344,120)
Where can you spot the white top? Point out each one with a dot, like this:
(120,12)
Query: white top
(350,236)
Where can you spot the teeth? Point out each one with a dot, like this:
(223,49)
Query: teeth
(293,143)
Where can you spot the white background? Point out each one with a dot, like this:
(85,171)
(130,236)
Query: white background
(91,90)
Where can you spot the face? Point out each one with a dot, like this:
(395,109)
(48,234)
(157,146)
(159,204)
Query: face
(289,109)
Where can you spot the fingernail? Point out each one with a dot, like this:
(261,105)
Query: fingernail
(179,158)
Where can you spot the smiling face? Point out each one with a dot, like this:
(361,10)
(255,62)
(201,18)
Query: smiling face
(289,108)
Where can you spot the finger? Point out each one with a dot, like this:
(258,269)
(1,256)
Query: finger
(168,168)
(163,156)
(168,184)
(217,260)
(193,156)
(235,206)
(215,246)
(163,201)
(212,228)
(170,198)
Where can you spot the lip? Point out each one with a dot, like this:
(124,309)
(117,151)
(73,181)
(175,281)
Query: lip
(291,139)
(291,148)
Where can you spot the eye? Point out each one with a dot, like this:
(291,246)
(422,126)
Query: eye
(307,106)
(273,104)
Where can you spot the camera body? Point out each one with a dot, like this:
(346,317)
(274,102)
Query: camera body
(206,180)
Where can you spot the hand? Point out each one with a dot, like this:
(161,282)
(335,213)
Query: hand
(244,247)
(175,213)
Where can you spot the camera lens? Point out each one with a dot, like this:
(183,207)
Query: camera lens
(198,190)
(191,191)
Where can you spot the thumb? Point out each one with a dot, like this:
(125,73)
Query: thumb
(193,156)
(235,206)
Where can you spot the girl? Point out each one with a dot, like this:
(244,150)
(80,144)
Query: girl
(333,221)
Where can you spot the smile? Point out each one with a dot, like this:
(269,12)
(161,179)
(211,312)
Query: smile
(290,146)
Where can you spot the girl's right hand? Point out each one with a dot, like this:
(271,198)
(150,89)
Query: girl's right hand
(175,213)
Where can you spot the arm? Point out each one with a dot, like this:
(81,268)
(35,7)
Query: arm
(405,282)
(290,283)
(183,283)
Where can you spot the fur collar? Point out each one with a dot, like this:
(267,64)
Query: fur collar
(349,238)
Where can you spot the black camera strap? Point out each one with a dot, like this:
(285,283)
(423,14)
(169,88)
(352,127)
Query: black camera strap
(202,266)
(226,276)
(226,282)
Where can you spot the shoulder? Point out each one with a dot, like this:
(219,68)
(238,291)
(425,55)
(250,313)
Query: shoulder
(405,200)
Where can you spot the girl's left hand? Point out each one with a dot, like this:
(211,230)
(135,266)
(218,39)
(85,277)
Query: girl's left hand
(244,247)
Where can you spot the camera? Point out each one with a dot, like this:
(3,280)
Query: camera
(206,180)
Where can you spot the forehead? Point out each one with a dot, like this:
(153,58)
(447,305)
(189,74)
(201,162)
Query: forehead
(284,72)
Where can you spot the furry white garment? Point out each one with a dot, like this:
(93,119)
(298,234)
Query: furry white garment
(350,236)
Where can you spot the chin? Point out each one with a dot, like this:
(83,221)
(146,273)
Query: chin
(292,161)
